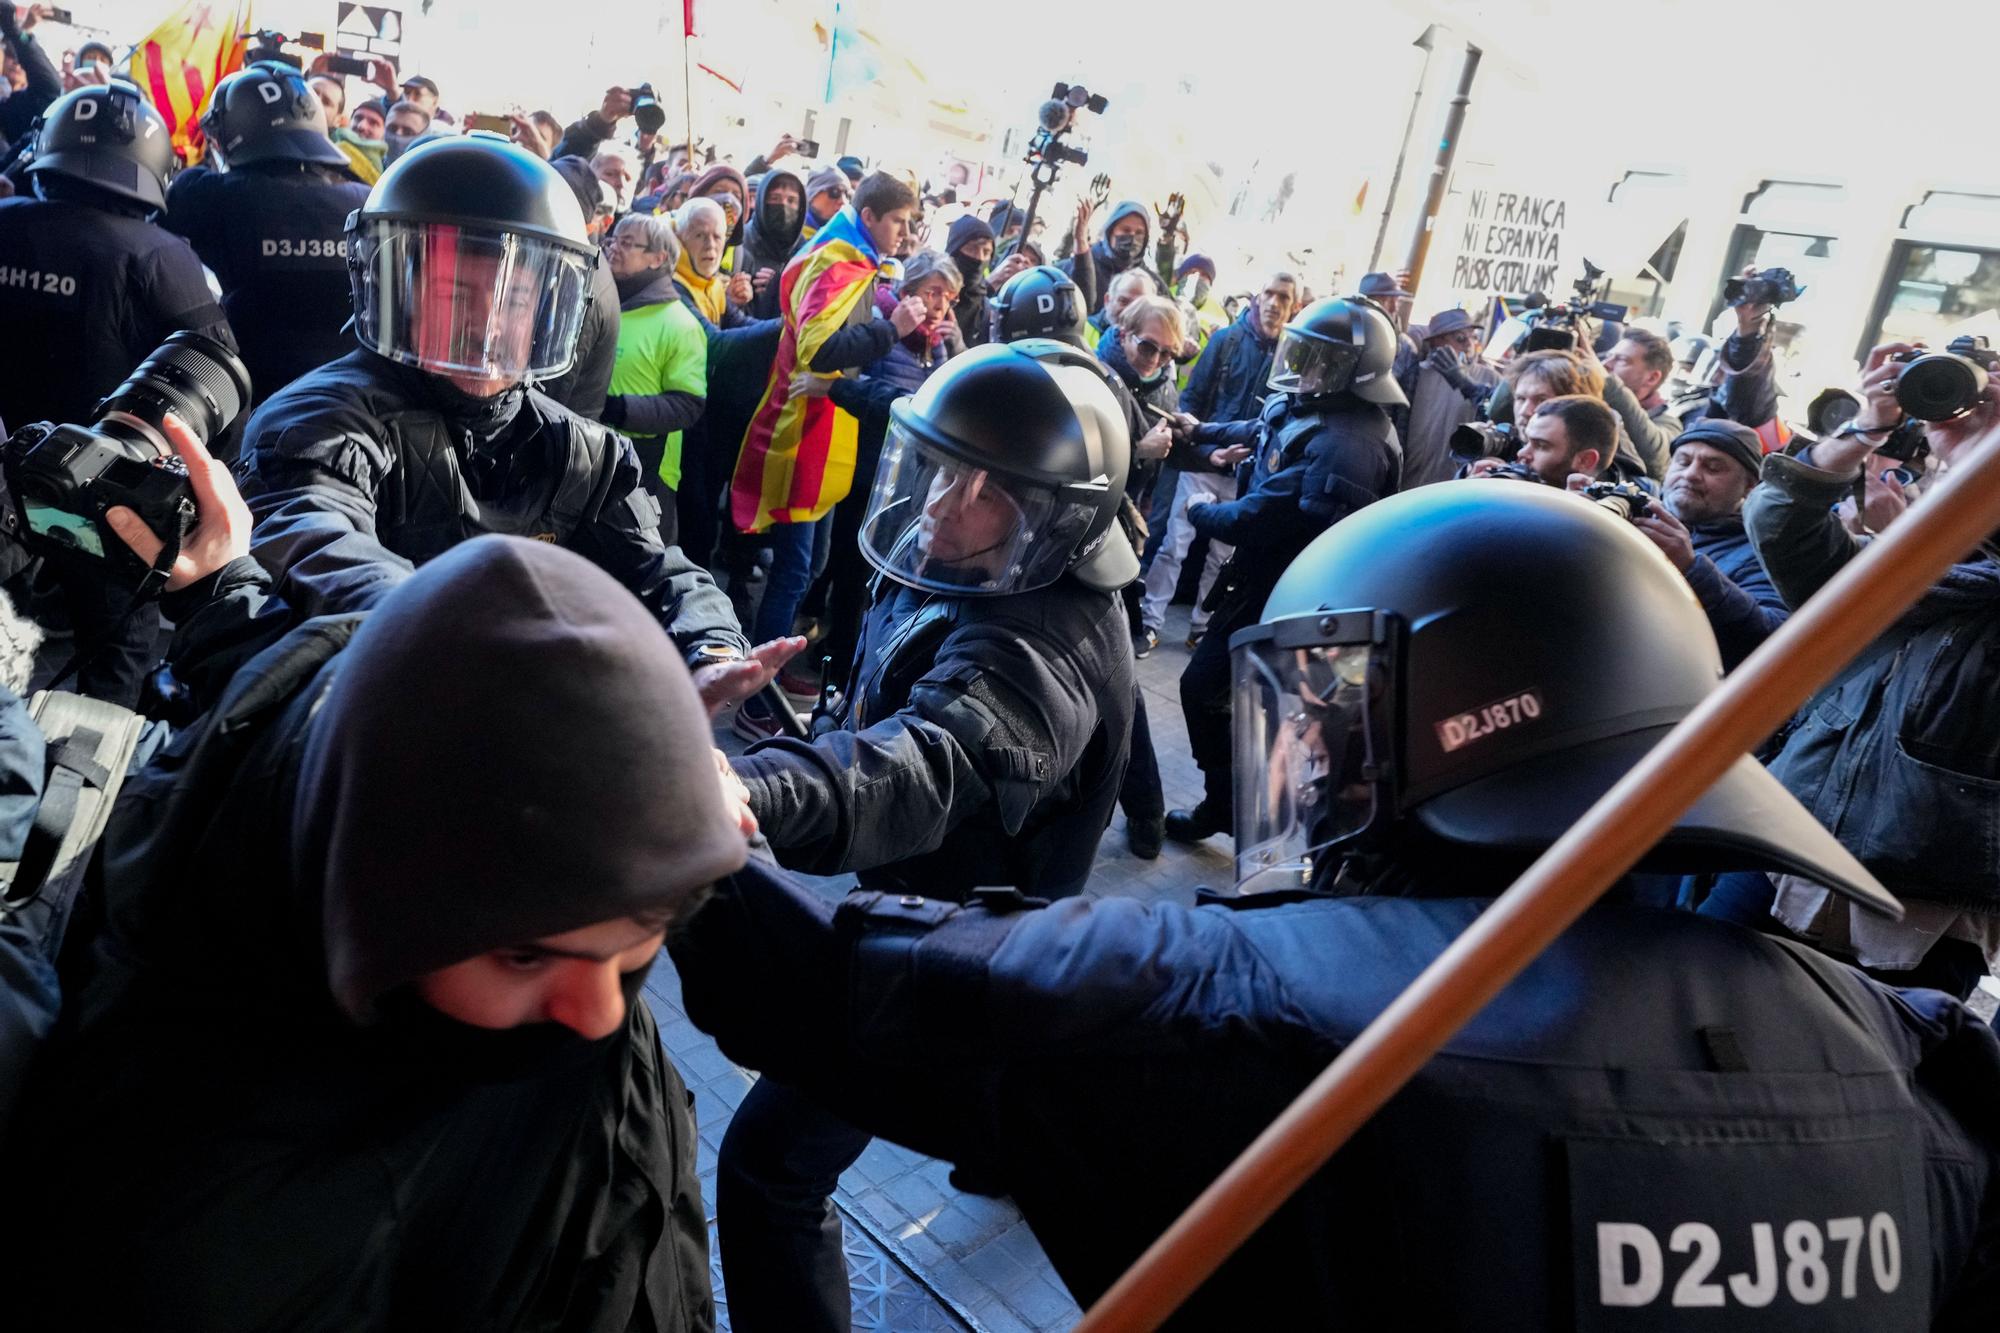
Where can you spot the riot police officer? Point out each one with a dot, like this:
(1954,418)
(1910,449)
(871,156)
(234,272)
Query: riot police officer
(270,224)
(88,286)
(1322,448)
(470,264)
(1664,1115)
(980,744)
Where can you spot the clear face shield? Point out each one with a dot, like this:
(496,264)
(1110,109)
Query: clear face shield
(488,305)
(1307,364)
(1311,731)
(942,524)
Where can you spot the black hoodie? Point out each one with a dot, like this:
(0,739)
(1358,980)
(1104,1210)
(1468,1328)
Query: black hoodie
(765,246)
(244,1101)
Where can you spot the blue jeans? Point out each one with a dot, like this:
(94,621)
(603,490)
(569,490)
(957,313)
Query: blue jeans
(792,549)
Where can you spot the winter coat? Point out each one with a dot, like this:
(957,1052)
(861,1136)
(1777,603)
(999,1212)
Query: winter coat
(661,380)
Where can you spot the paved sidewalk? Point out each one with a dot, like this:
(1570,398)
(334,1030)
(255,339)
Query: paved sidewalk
(923,1255)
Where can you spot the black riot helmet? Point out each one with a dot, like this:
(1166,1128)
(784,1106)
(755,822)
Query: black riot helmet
(1406,674)
(109,137)
(1040,303)
(266,113)
(470,257)
(1002,473)
(1336,344)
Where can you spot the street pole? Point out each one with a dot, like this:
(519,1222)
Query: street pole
(1426,45)
(1454,121)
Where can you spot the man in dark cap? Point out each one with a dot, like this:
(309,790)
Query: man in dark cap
(826,191)
(1446,390)
(361,1047)
(969,244)
(1698,525)
(853,168)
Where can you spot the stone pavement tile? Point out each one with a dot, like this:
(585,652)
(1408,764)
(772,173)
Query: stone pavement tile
(915,1194)
(958,1233)
(999,1270)
(996,1317)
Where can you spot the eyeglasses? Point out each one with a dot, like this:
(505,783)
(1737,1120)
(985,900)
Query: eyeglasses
(1151,348)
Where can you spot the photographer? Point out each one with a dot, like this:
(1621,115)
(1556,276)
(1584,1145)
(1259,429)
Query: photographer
(1564,443)
(1698,526)
(109,287)
(1533,378)
(269,224)
(1900,755)
(1743,387)
(472,272)
(1636,366)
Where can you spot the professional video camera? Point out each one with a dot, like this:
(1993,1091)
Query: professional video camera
(1554,327)
(60,479)
(1046,150)
(1483,439)
(1773,286)
(1626,499)
(1943,386)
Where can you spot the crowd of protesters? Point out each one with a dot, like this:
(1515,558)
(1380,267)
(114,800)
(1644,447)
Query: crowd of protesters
(900,494)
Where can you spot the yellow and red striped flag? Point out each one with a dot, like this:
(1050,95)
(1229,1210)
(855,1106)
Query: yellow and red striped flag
(178,65)
(797,459)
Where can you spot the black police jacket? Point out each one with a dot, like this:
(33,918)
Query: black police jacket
(981,742)
(86,293)
(1665,1116)
(277,1166)
(275,238)
(583,387)
(364,469)
(1315,462)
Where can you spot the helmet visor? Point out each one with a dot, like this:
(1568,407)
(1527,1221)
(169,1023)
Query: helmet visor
(1307,364)
(1309,734)
(493,305)
(943,524)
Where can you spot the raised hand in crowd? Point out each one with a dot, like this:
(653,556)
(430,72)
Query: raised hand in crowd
(782,149)
(741,289)
(1100,190)
(1170,214)
(617,105)
(1012,264)
(1085,207)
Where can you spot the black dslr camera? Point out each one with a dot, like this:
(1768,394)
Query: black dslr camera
(1774,286)
(1943,386)
(646,109)
(61,479)
(1626,499)
(1483,439)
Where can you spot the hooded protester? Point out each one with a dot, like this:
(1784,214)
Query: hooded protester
(770,238)
(1122,246)
(970,243)
(361,947)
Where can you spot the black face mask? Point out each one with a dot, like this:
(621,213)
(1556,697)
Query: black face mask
(782,221)
(968,268)
(1129,246)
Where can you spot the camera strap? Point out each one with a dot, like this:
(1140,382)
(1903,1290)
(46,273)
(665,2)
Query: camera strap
(149,589)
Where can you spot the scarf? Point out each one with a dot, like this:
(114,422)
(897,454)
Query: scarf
(711,295)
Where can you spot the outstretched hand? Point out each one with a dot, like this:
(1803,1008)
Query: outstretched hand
(222,524)
(724,683)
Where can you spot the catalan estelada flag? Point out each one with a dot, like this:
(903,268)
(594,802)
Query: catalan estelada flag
(798,454)
(178,65)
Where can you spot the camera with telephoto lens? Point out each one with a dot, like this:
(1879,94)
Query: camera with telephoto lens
(1774,286)
(61,478)
(1483,439)
(1943,386)
(646,109)
(1626,499)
